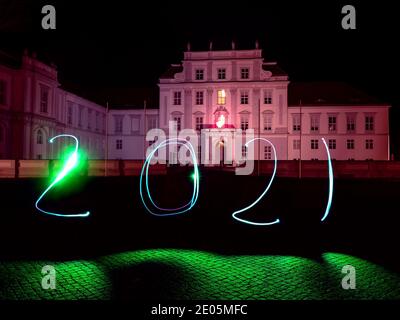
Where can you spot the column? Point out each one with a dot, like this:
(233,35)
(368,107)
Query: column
(233,119)
(188,108)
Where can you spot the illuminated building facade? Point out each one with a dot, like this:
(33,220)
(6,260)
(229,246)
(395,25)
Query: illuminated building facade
(34,108)
(210,91)
(221,91)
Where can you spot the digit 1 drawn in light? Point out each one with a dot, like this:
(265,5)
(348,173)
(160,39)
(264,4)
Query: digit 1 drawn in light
(262,194)
(328,206)
(69,165)
(195,177)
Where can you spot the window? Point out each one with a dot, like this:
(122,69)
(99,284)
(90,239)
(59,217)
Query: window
(89,119)
(199,123)
(350,144)
(296,122)
(244,73)
(268,122)
(267,152)
(332,123)
(221,74)
(199,97)
(151,122)
(69,115)
(221,98)
(332,144)
(369,144)
(244,152)
(178,123)
(177,98)
(314,123)
(244,123)
(369,123)
(118,144)
(314,144)
(97,121)
(44,99)
(39,137)
(244,97)
(351,123)
(3,92)
(135,124)
(118,124)
(268,97)
(296,144)
(199,74)
(80,116)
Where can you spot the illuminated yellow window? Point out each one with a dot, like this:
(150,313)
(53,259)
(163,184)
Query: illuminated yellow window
(221,97)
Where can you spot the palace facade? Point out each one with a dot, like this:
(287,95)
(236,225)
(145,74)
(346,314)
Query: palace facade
(214,92)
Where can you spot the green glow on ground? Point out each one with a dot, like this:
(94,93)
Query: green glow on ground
(187,274)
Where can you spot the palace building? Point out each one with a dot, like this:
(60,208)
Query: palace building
(34,108)
(212,92)
(221,91)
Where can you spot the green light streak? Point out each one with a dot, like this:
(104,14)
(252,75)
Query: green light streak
(70,164)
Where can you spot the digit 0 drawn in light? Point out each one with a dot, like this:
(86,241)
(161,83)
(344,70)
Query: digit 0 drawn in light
(69,165)
(328,206)
(262,194)
(195,177)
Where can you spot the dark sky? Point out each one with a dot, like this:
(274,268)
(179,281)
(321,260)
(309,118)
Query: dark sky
(129,43)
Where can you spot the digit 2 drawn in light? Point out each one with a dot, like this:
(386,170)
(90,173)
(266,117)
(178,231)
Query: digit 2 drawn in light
(262,194)
(69,165)
(145,171)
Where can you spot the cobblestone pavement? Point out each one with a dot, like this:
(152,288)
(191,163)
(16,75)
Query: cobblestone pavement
(186,274)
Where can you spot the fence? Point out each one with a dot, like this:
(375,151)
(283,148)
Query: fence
(289,168)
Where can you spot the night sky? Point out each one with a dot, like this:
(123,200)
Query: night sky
(128,44)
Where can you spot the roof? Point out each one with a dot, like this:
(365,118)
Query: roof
(119,98)
(328,94)
(171,71)
(274,69)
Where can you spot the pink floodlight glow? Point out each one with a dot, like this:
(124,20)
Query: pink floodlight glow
(221,121)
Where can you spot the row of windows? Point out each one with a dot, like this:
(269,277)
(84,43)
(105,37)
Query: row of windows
(350,144)
(119,123)
(369,123)
(267,123)
(244,122)
(96,117)
(221,97)
(369,145)
(221,74)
